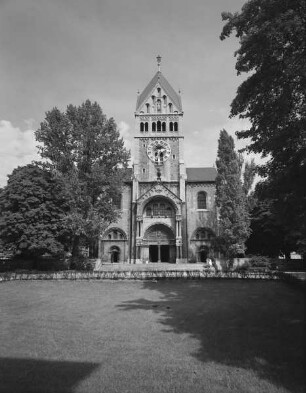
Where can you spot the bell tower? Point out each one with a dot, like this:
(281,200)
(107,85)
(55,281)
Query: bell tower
(158,140)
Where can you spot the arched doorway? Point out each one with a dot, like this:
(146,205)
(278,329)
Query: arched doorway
(115,254)
(203,253)
(160,241)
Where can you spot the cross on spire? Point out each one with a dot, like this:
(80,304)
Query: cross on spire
(158,58)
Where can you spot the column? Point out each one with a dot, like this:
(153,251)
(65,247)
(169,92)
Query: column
(159,254)
(139,226)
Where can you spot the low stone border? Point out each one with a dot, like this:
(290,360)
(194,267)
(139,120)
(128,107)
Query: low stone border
(294,278)
(139,275)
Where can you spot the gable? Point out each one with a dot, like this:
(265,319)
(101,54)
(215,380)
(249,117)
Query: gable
(159,81)
(159,190)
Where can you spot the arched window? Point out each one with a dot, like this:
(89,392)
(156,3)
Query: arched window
(153,100)
(170,107)
(153,126)
(171,126)
(117,201)
(155,209)
(141,127)
(203,234)
(146,126)
(115,234)
(158,126)
(159,208)
(149,211)
(162,209)
(165,100)
(175,126)
(163,126)
(202,200)
(158,91)
(148,108)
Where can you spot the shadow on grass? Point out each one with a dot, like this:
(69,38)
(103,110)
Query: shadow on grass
(257,326)
(35,375)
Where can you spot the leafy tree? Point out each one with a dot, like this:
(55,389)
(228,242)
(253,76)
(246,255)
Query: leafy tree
(85,150)
(268,236)
(272,35)
(248,180)
(231,199)
(33,207)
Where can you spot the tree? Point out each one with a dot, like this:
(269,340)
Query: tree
(248,179)
(231,199)
(272,51)
(85,150)
(268,236)
(33,208)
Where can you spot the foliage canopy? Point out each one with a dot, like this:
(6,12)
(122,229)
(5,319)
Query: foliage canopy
(33,207)
(231,199)
(85,150)
(272,36)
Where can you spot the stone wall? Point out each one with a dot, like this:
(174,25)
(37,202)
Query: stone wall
(124,224)
(199,218)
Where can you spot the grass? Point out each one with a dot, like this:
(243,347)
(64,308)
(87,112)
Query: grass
(176,336)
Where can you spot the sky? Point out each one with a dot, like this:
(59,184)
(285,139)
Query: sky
(59,52)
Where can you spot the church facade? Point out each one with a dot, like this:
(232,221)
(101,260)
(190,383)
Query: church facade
(168,211)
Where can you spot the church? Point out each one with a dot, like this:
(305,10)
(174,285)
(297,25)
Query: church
(168,211)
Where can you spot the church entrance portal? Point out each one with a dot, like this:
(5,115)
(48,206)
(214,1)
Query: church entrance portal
(161,243)
(159,253)
(203,253)
(115,254)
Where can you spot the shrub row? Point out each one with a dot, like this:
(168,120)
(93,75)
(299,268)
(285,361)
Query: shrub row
(137,275)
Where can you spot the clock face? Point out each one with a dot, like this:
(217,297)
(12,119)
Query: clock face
(158,151)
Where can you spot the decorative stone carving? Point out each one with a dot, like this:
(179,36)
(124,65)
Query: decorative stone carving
(200,185)
(158,190)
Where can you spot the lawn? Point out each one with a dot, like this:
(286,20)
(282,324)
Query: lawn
(171,336)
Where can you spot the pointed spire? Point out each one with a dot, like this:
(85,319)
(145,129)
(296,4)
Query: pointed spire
(158,58)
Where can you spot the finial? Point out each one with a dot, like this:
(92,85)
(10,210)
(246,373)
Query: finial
(158,62)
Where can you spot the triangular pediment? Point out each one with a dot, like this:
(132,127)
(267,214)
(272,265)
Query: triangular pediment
(159,81)
(158,189)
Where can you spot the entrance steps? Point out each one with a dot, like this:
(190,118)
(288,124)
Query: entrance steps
(149,267)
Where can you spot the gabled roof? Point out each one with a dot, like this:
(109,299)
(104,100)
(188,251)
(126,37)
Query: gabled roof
(195,175)
(159,78)
(159,188)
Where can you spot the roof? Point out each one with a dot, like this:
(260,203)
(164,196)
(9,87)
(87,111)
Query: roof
(159,78)
(195,175)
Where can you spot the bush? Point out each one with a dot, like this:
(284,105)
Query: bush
(81,263)
(243,268)
(260,261)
